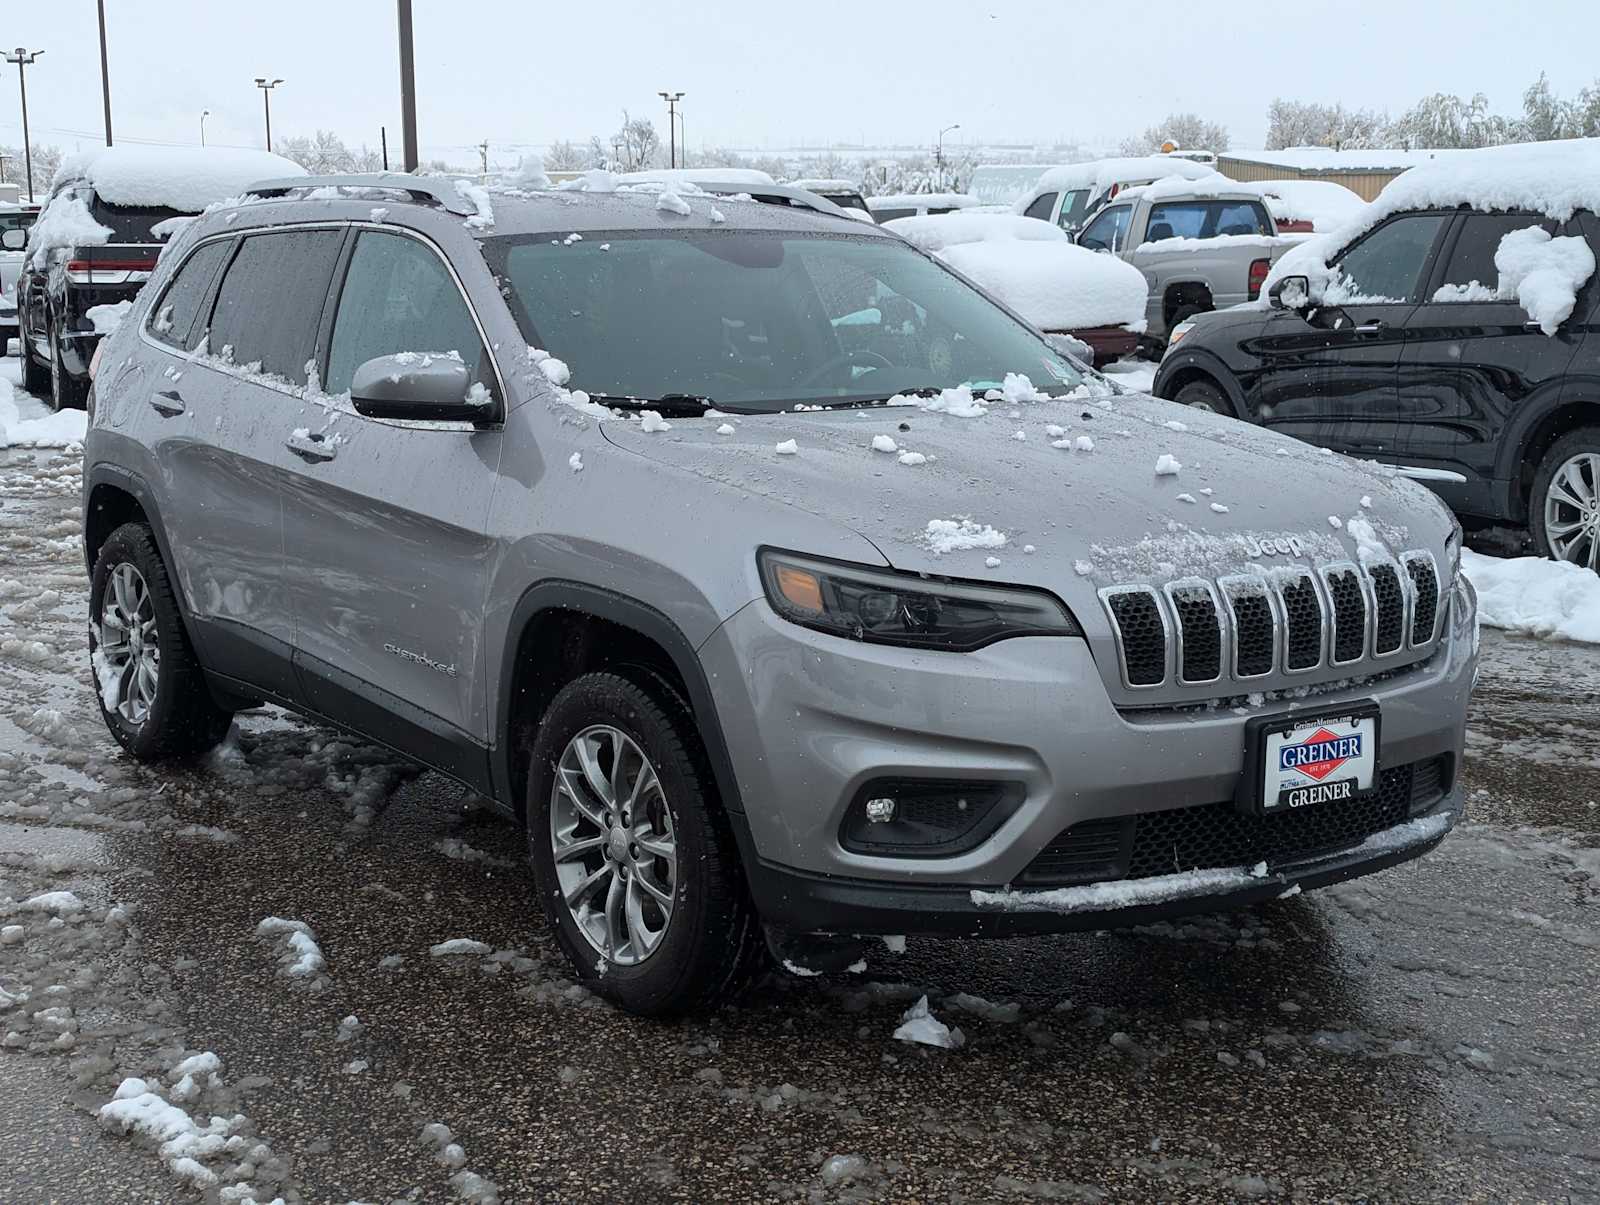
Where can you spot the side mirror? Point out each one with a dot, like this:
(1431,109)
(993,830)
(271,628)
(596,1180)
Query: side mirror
(1290,293)
(14,240)
(1067,345)
(1091,244)
(433,386)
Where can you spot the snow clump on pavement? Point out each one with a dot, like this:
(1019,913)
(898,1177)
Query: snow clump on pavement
(919,1025)
(1536,597)
(301,957)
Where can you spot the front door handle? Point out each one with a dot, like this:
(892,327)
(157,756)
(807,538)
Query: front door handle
(311,446)
(1372,328)
(168,403)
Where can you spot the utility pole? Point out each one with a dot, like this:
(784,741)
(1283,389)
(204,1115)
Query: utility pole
(266,87)
(408,88)
(938,153)
(105,74)
(672,99)
(383,140)
(22,58)
(483,158)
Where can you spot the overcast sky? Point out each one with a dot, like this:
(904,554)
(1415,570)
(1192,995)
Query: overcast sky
(766,75)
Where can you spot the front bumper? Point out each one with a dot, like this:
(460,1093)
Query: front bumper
(811,719)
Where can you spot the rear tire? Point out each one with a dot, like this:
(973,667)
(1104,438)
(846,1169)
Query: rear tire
(1564,507)
(658,963)
(156,706)
(66,391)
(1203,395)
(35,376)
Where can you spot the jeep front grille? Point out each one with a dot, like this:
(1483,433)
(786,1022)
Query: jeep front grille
(1247,627)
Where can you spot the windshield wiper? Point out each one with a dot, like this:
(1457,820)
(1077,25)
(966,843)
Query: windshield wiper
(668,405)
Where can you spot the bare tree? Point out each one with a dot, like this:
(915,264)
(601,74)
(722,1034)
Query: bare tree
(1188,130)
(564,156)
(640,144)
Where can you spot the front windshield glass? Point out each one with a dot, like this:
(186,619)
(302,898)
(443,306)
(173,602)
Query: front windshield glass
(761,321)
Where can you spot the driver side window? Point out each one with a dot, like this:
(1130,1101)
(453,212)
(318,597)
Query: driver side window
(1107,231)
(1386,266)
(398,296)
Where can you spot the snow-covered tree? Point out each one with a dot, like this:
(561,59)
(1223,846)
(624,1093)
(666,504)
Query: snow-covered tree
(46,160)
(1299,123)
(1188,130)
(1443,120)
(325,153)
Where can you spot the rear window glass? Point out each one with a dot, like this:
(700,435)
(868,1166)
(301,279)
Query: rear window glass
(173,319)
(128,223)
(1472,258)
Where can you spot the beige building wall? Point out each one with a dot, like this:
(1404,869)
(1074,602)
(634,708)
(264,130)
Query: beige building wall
(1365,184)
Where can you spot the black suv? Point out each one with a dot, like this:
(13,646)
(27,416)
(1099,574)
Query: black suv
(61,282)
(1500,418)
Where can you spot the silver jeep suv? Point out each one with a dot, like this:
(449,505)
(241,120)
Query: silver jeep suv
(788,589)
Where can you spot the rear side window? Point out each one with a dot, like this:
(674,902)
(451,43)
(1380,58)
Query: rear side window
(399,296)
(1074,207)
(1042,207)
(1470,274)
(1386,266)
(172,320)
(270,301)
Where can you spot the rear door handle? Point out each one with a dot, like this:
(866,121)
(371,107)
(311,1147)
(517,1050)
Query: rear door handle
(1372,328)
(311,446)
(168,403)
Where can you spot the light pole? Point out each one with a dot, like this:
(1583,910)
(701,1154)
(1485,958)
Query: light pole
(408,87)
(204,113)
(22,58)
(672,99)
(938,151)
(105,73)
(266,87)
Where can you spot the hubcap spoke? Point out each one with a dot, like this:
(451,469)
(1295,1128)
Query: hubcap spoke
(579,848)
(589,762)
(586,887)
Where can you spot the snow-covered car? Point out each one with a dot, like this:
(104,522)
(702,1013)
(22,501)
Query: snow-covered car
(1450,329)
(889,206)
(1069,196)
(1035,269)
(1201,245)
(1307,206)
(846,194)
(14,223)
(97,240)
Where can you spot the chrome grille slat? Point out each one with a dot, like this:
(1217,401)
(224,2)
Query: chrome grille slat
(1246,628)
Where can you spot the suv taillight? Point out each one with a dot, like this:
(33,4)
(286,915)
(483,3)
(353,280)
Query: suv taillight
(108,271)
(1258,276)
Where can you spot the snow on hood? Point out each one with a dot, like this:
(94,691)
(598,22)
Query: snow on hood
(183,178)
(1555,179)
(1055,286)
(937,232)
(1076,496)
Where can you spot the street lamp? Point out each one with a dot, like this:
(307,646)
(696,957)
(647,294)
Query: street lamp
(672,99)
(938,152)
(22,58)
(266,87)
(204,113)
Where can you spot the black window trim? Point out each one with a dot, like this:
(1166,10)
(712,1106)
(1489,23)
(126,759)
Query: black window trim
(330,305)
(1430,267)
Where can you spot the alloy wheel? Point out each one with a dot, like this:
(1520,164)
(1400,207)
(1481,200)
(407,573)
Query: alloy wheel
(130,642)
(1572,511)
(615,853)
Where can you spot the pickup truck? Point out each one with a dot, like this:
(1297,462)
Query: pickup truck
(1200,247)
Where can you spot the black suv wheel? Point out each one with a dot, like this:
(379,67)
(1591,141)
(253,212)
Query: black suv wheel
(632,859)
(35,376)
(66,391)
(1565,504)
(152,694)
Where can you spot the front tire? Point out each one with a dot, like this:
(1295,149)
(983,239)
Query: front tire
(148,682)
(1565,504)
(1203,395)
(632,857)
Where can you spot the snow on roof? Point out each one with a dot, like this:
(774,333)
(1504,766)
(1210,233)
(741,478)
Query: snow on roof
(696,175)
(826,185)
(1056,285)
(1323,203)
(1214,184)
(1555,179)
(922,200)
(941,231)
(182,178)
(1326,159)
(1101,174)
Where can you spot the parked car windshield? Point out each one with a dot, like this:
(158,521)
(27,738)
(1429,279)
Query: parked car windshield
(761,321)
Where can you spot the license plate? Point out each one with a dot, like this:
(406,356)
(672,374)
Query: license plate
(1324,760)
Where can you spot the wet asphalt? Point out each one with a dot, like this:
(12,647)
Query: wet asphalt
(1427,1034)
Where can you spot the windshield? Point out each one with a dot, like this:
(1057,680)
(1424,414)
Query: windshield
(761,321)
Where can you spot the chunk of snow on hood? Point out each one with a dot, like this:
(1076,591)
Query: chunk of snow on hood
(882,443)
(961,535)
(671,202)
(594,180)
(555,371)
(725,429)
(1535,597)
(182,178)
(913,458)
(919,1025)
(1083,444)
(651,421)
(483,216)
(787,448)
(1167,465)
(575,462)
(957,401)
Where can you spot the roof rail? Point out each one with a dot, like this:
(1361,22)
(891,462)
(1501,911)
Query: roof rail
(441,190)
(772,193)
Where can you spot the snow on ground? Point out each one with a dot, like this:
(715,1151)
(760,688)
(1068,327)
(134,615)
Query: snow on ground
(1536,597)
(1137,375)
(25,422)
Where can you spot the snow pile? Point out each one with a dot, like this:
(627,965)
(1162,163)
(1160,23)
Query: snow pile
(65,222)
(1555,179)
(1536,597)
(301,957)
(182,178)
(670,202)
(1055,286)
(1543,273)
(530,173)
(961,535)
(184,1143)
(919,1025)
(922,200)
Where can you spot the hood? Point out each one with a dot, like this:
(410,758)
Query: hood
(1072,494)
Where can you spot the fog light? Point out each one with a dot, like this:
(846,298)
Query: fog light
(880,811)
(925,818)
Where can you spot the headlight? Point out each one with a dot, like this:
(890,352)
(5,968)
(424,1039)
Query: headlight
(1175,336)
(885,607)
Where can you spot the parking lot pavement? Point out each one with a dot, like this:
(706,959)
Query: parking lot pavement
(1425,1034)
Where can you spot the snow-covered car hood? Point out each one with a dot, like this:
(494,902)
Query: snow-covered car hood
(1067,494)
